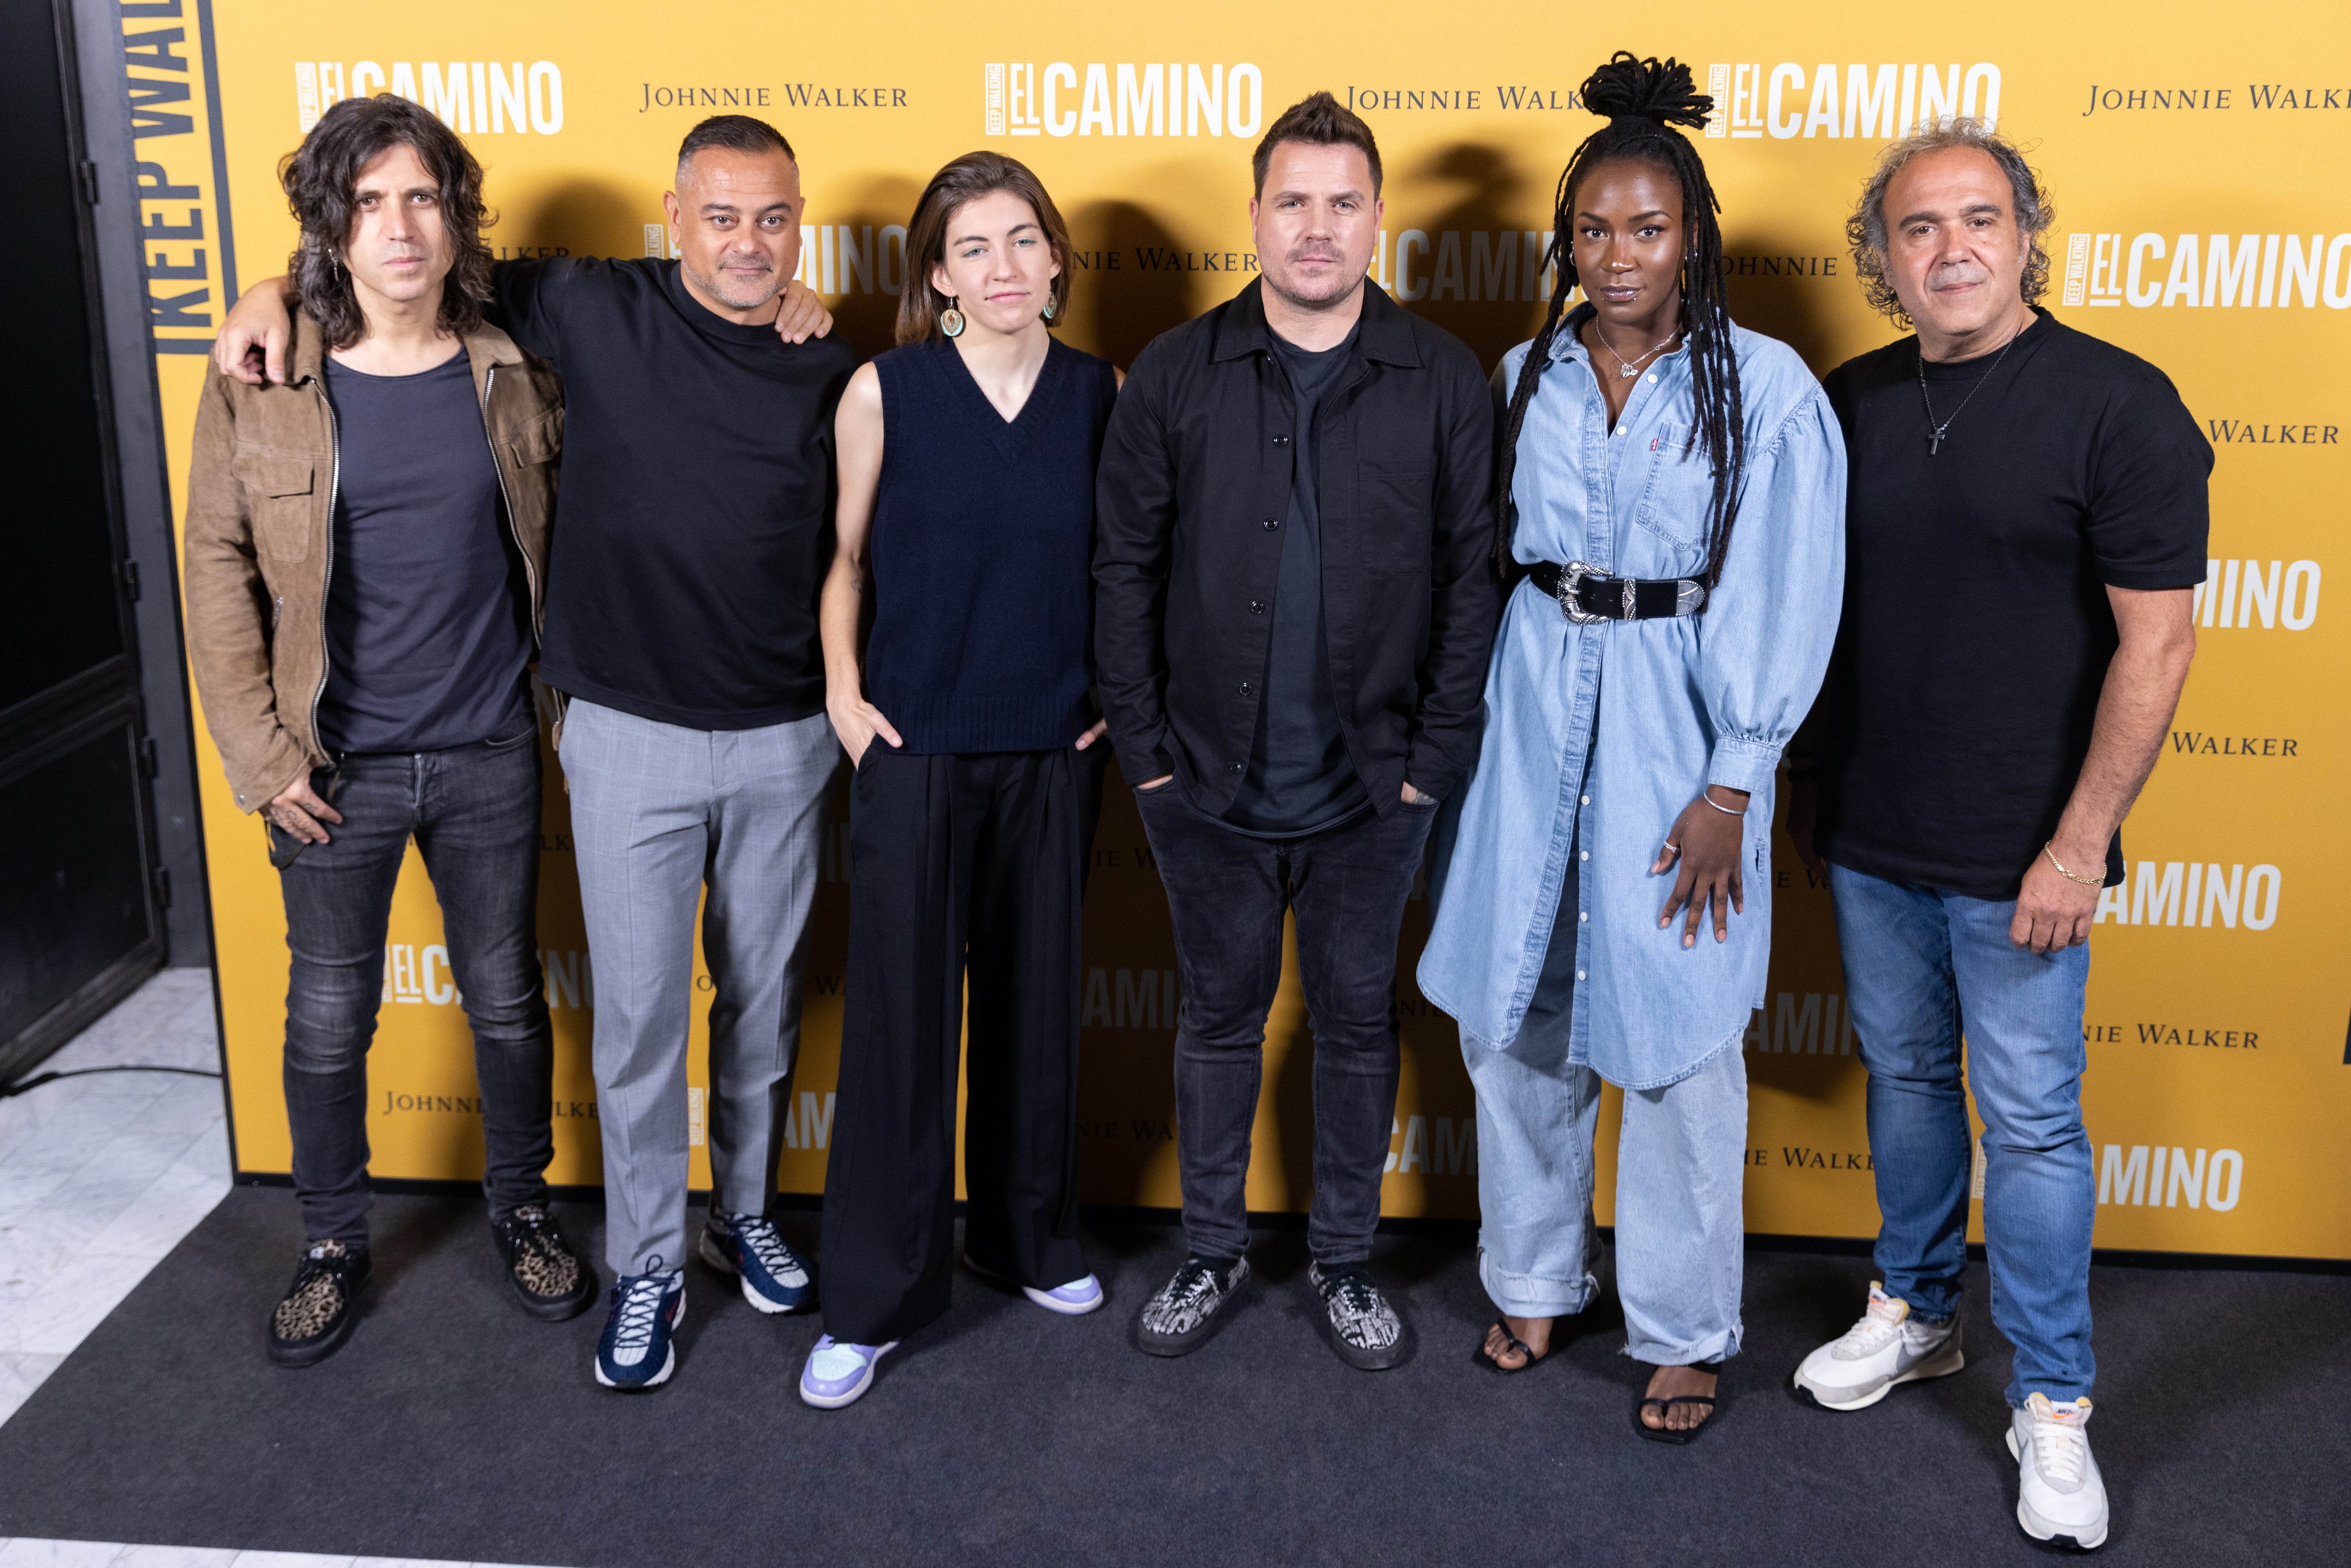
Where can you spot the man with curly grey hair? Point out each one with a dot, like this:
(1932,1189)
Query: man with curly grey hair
(2025,524)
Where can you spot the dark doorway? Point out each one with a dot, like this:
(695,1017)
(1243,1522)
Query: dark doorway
(79,902)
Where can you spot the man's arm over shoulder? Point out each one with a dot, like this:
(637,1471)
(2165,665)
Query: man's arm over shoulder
(228,608)
(1465,598)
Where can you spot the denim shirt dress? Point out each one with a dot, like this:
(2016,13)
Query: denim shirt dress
(1598,736)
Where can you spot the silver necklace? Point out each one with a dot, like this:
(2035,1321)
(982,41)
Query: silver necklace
(1935,432)
(1626,371)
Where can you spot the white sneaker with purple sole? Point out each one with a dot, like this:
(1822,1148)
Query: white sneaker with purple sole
(838,1374)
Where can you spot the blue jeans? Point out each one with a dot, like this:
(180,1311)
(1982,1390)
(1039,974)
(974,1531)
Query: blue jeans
(1920,966)
(474,813)
(1680,1179)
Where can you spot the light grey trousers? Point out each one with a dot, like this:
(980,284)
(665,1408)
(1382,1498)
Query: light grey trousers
(657,813)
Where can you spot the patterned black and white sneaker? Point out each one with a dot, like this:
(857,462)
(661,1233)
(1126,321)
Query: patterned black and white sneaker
(1365,1330)
(1185,1312)
(550,1279)
(316,1316)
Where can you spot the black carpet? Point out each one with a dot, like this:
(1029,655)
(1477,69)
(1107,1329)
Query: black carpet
(453,1426)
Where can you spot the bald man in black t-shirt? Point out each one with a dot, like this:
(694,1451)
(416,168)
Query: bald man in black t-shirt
(2026,526)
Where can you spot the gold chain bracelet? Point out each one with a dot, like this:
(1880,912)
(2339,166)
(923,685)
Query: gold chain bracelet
(2050,848)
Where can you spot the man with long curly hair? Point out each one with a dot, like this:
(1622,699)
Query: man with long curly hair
(366,539)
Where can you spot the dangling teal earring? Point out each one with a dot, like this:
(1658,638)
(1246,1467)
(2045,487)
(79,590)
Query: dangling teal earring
(1048,306)
(951,320)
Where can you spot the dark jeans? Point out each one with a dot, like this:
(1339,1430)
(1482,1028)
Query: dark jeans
(473,813)
(967,871)
(1227,893)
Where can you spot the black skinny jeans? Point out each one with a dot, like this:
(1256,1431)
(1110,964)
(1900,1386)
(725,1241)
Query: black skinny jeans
(473,813)
(1227,893)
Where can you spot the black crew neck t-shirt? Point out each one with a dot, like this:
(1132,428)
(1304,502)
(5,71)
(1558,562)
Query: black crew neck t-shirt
(1977,629)
(696,521)
(428,606)
(1301,778)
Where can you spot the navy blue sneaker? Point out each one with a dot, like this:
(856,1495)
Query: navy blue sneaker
(746,1244)
(636,1350)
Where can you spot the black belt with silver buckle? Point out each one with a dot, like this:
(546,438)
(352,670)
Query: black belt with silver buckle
(1585,595)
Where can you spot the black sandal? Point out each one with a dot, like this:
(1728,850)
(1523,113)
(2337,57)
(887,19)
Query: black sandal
(1668,1434)
(1510,1341)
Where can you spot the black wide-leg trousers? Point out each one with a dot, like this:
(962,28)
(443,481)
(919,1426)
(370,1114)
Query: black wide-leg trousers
(963,867)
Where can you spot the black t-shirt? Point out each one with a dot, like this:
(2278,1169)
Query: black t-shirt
(1977,629)
(1301,778)
(695,523)
(428,608)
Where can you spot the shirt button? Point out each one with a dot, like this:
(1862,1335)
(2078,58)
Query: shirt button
(1257,606)
(1587,800)
(1585,855)
(1246,688)
(1236,767)
(1583,916)
(1579,974)
(1282,441)
(1272,524)
(1653,375)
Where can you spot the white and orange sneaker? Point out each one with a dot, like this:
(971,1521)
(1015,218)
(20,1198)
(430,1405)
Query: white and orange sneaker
(1886,1347)
(2061,1498)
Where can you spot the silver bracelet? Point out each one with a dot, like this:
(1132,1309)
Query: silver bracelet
(1724,810)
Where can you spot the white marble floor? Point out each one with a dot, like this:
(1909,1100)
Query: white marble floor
(99,1178)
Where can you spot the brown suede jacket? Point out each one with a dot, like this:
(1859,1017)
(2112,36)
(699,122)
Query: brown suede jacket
(261,541)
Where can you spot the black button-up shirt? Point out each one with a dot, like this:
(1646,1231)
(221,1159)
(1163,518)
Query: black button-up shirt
(1196,469)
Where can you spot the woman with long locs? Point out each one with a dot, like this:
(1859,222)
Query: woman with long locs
(958,628)
(1672,501)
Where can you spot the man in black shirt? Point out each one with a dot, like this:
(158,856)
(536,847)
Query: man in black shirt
(681,623)
(2026,526)
(1294,615)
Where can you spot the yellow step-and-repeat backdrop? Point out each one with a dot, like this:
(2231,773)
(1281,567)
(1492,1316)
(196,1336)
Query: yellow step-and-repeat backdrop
(2204,200)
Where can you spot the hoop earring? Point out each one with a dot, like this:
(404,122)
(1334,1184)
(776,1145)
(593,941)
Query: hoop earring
(951,320)
(1048,306)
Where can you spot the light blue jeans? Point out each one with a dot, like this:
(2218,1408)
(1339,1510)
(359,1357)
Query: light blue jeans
(1680,1172)
(1920,966)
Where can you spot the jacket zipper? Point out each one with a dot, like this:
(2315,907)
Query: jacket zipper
(529,572)
(327,581)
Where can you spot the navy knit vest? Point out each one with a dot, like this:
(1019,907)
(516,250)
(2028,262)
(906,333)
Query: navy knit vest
(981,553)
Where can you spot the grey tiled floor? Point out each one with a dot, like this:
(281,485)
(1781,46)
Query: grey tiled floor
(99,1178)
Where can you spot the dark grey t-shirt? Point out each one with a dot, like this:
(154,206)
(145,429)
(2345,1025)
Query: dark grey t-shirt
(1301,777)
(428,607)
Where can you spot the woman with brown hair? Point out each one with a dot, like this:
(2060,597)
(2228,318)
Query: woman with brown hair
(958,620)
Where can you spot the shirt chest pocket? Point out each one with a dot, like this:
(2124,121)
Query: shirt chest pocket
(281,492)
(1395,502)
(541,441)
(535,448)
(1677,487)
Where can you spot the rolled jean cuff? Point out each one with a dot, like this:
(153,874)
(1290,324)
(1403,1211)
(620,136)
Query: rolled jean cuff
(1531,1296)
(2055,1393)
(1720,1345)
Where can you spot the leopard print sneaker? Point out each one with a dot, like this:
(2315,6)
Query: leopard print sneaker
(316,1316)
(551,1281)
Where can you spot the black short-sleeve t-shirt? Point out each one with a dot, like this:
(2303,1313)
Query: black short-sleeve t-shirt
(1977,629)
(696,524)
